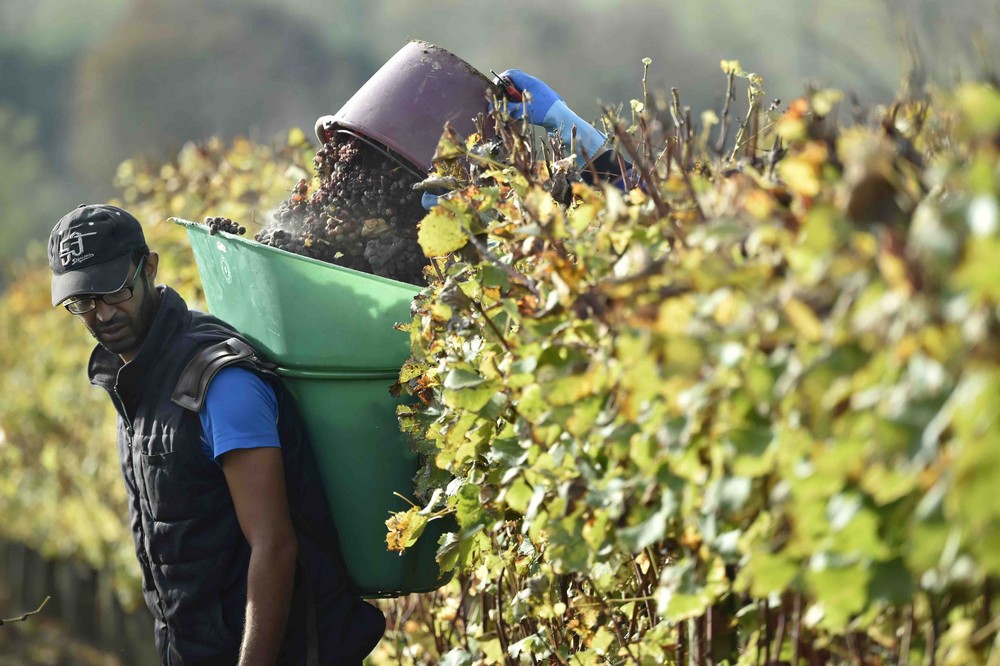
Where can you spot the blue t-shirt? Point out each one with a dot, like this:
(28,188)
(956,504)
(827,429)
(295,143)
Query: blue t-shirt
(240,412)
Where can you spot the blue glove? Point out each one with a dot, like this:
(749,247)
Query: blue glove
(428,200)
(537,103)
(543,106)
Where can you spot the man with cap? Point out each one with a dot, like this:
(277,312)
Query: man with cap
(237,548)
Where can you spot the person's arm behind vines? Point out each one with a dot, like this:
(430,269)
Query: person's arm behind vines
(545,107)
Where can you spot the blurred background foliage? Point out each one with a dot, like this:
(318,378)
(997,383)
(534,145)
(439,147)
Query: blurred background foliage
(85,84)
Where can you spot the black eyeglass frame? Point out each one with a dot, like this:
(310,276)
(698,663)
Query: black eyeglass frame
(84,305)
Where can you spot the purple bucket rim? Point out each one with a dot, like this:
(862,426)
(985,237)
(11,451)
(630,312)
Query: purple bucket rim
(385,140)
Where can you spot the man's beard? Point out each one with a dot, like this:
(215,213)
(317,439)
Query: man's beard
(135,326)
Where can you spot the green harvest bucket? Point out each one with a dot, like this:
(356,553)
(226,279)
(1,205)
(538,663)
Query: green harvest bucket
(330,331)
(351,420)
(301,312)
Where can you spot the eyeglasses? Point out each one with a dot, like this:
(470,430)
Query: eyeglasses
(86,304)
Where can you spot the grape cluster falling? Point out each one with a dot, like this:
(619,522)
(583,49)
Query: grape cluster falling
(217,224)
(363,215)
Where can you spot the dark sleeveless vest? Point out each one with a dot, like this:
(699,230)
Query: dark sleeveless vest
(193,555)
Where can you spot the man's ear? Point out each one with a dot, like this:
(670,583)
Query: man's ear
(152,264)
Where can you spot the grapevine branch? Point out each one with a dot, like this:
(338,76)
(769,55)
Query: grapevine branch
(709,656)
(796,628)
(493,326)
(24,617)
(779,637)
(454,624)
(627,178)
(654,192)
(694,195)
(724,126)
(501,629)
(688,137)
(904,648)
(644,587)
(646,142)
(611,615)
(986,631)
(748,126)
(743,142)
(614,600)
(754,130)
(763,606)
(511,272)
(675,111)
(646,62)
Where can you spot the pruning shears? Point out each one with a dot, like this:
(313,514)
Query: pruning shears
(508,87)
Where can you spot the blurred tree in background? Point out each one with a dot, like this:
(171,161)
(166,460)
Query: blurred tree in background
(23,171)
(185,69)
(110,79)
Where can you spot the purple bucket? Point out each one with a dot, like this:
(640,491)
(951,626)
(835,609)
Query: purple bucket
(407,102)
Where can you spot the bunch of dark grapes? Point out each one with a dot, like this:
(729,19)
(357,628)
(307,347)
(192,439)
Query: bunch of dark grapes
(362,216)
(217,224)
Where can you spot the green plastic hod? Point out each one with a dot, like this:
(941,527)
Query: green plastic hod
(363,459)
(301,312)
(330,330)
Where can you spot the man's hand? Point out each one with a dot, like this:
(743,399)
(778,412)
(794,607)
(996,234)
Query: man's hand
(543,106)
(256,481)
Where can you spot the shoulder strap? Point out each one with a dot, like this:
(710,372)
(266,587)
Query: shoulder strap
(193,383)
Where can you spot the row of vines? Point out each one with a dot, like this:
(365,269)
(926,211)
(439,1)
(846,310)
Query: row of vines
(743,407)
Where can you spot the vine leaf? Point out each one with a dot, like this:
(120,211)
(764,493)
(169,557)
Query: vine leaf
(440,233)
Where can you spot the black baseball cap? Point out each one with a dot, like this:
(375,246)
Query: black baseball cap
(90,250)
